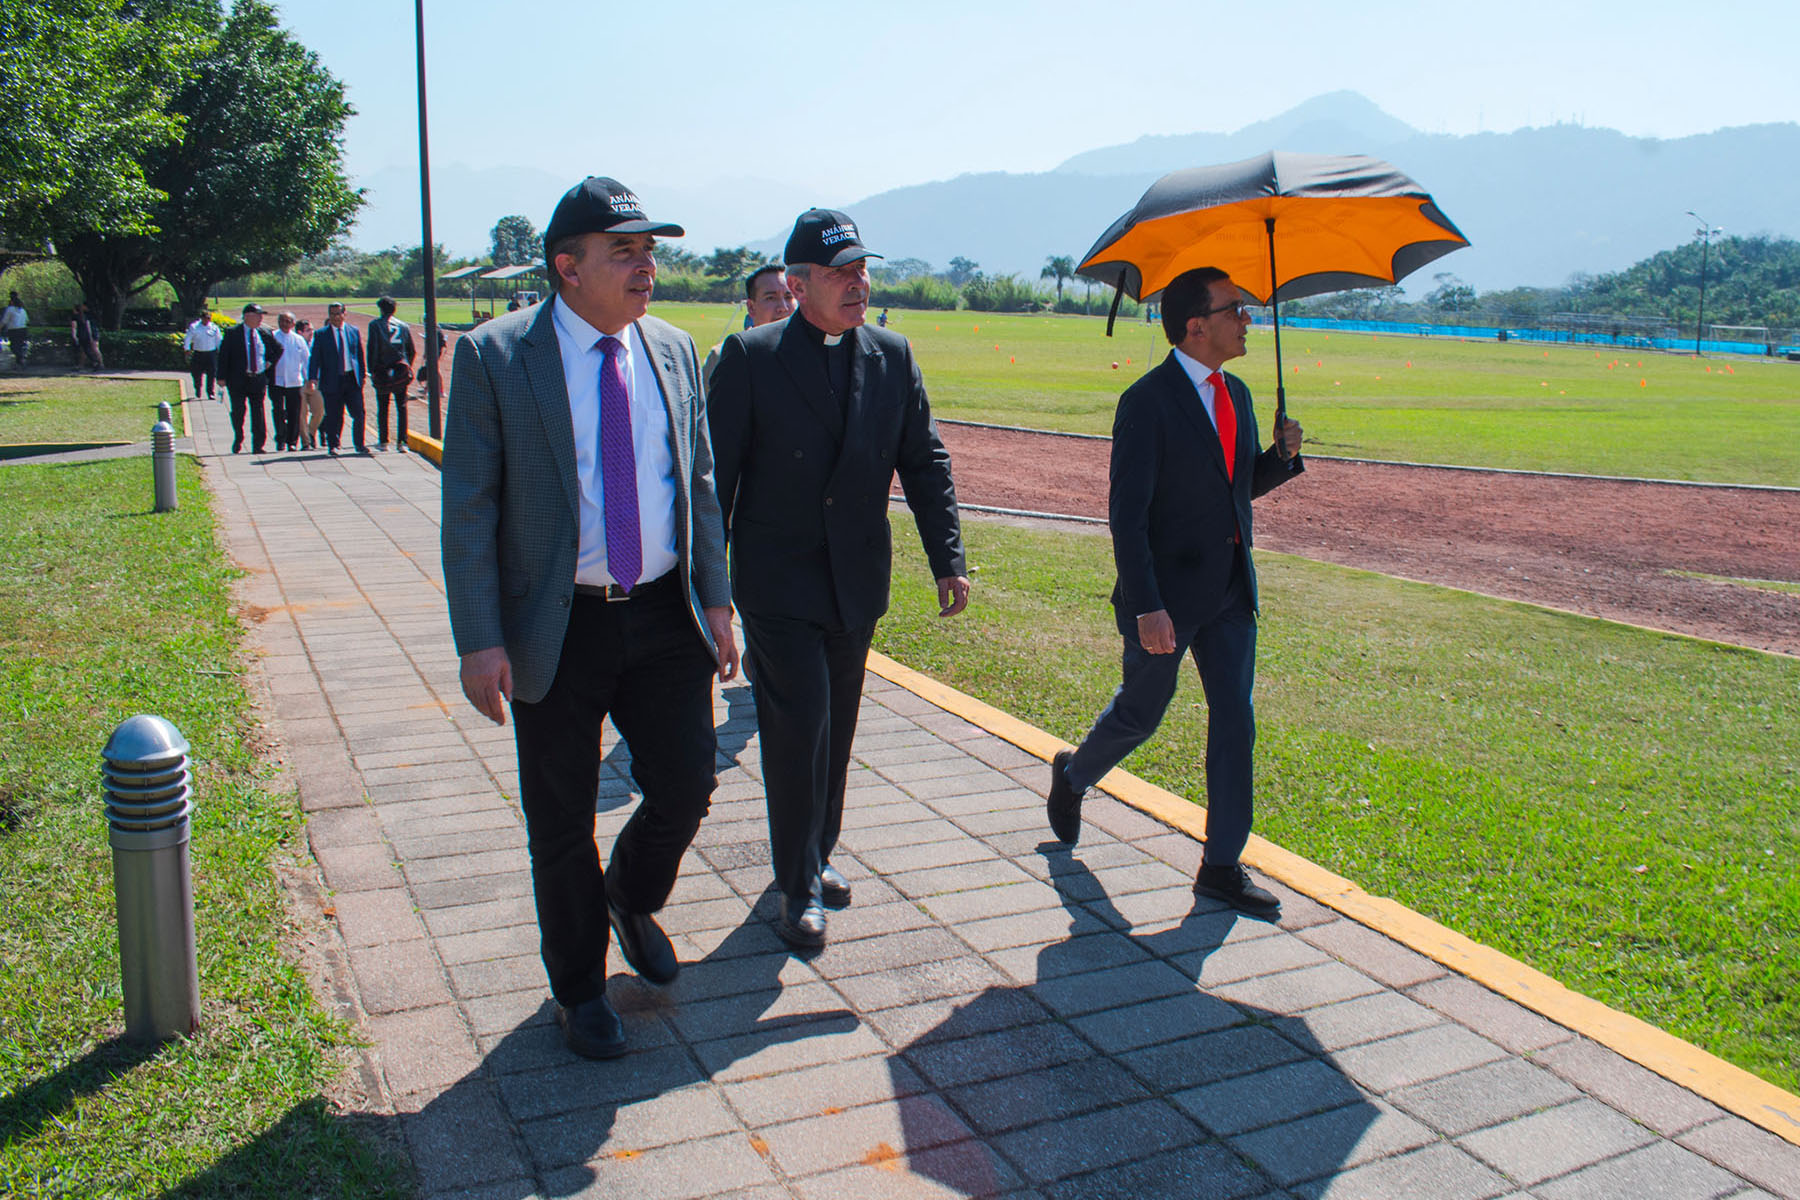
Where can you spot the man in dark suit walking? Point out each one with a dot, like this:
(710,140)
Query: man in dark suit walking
(391,355)
(338,367)
(1185,465)
(584,562)
(246,360)
(811,418)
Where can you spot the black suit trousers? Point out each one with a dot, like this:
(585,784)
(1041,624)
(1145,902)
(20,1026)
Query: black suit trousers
(642,662)
(808,693)
(249,393)
(346,393)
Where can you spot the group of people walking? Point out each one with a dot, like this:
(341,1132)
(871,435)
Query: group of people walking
(310,380)
(606,504)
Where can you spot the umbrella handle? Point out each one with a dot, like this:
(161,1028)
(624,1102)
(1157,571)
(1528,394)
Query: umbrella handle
(1118,295)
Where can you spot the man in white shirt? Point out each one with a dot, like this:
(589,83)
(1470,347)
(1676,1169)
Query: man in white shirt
(13,321)
(584,563)
(201,341)
(289,378)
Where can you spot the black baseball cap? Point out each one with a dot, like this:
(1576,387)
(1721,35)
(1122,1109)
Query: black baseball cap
(599,204)
(250,308)
(825,238)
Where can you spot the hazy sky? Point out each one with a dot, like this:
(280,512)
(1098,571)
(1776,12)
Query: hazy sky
(838,102)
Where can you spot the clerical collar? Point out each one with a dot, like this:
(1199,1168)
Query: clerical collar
(817,336)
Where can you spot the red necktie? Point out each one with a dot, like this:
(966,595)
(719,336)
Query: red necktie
(1224,419)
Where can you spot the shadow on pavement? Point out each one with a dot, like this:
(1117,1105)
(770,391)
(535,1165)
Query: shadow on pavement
(1113,1074)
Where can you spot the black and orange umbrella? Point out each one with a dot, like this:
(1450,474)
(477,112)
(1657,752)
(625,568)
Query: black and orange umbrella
(1283,226)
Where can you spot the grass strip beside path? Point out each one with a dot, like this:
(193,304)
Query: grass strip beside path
(105,611)
(1585,410)
(42,408)
(1615,807)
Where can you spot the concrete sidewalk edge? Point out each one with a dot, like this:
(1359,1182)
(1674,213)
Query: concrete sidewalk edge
(1730,1087)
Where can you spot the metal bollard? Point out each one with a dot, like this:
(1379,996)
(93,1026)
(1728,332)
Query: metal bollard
(147,809)
(162,458)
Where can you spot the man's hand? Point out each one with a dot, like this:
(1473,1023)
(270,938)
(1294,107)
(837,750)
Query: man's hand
(718,620)
(953,595)
(1156,633)
(487,681)
(1287,437)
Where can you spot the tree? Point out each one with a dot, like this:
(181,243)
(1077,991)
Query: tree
(901,269)
(255,182)
(84,86)
(671,257)
(1451,293)
(411,280)
(516,242)
(1058,267)
(734,264)
(962,270)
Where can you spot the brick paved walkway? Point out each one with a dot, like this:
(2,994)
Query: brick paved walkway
(996,1015)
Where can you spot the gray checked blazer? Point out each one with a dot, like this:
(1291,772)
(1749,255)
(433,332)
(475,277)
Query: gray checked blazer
(511,522)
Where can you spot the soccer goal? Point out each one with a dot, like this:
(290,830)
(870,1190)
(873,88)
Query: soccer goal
(1754,335)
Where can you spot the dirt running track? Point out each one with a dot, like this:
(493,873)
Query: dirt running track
(1599,547)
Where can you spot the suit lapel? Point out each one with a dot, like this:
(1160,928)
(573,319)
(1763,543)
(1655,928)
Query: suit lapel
(806,367)
(544,377)
(1184,397)
(864,354)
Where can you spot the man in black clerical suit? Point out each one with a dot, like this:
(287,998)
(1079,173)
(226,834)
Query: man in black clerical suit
(811,419)
(246,360)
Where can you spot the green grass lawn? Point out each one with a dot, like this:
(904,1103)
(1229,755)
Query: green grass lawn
(81,409)
(107,610)
(1615,807)
(1561,408)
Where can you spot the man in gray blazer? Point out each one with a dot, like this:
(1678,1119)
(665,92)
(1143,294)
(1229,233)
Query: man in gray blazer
(584,561)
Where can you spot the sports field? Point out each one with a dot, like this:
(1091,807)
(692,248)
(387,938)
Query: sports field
(1580,409)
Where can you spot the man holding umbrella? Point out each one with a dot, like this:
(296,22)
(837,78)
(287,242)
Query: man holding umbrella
(1186,463)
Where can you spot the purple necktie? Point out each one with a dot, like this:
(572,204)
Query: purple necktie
(618,470)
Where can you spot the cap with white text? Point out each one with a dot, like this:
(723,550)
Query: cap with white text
(825,238)
(599,204)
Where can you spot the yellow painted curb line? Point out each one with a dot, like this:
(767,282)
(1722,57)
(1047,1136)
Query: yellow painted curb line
(430,447)
(1731,1088)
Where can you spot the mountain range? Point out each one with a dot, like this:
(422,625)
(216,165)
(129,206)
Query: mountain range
(1538,204)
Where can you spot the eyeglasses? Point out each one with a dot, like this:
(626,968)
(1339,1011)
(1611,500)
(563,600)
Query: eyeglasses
(1236,308)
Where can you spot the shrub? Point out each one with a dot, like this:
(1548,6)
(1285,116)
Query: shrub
(1001,293)
(919,292)
(146,351)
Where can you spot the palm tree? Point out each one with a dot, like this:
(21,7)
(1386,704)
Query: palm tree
(1059,267)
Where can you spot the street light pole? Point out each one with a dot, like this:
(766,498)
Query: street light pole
(433,389)
(1705,233)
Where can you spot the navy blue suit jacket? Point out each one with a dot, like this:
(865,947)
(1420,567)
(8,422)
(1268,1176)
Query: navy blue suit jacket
(326,368)
(1176,520)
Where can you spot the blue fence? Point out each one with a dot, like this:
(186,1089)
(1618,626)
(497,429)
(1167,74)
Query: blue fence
(1490,333)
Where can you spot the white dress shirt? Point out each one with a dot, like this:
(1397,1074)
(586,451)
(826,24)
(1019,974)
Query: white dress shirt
(290,368)
(201,335)
(1198,372)
(579,343)
(253,352)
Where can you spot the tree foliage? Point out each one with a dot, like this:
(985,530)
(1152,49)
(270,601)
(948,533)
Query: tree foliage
(962,270)
(252,182)
(733,264)
(516,242)
(84,87)
(1060,267)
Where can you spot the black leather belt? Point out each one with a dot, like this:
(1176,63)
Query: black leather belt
(612,593)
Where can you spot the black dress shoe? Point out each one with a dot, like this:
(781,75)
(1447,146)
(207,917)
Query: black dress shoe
(645,946)
(834,889)
(592,1029)
(1233,885)
(802,922)
(1064,804)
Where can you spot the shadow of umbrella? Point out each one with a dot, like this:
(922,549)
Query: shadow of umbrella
(1109,1072)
